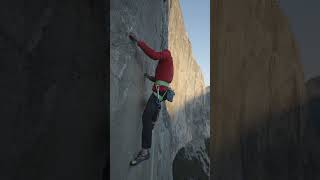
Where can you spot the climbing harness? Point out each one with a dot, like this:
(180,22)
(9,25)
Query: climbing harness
(169,93)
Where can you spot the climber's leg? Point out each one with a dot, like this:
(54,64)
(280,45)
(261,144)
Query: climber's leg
(148,116)
(156,115)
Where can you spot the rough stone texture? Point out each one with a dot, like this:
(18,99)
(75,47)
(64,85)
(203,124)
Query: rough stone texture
(192,161)
(180,121)
(188,107)
(53,90)
(258,94)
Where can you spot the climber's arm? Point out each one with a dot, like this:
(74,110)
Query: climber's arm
(147,50)
(150,52)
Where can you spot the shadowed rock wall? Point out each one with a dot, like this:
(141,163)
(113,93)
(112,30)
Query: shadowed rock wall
(258,94)
(192,161)
(313,129)
(313,92)
(53,90)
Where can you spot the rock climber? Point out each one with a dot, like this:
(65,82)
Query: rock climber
(161,92)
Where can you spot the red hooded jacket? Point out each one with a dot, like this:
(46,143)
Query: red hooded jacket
(164,70)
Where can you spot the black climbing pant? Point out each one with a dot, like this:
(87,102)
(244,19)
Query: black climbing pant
(150,115)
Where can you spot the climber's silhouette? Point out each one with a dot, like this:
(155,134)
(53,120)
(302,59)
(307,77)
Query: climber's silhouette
(161,91)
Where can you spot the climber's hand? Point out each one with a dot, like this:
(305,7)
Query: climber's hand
(133,37)
(151,78)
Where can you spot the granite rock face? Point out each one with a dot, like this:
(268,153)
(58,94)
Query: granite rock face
(158,23)
(53,90)
(192,161)
(259,94)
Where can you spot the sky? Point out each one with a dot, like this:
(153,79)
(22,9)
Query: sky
(305,24)
(196,16)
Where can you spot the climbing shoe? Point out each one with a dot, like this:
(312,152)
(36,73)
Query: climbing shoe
(139,158)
